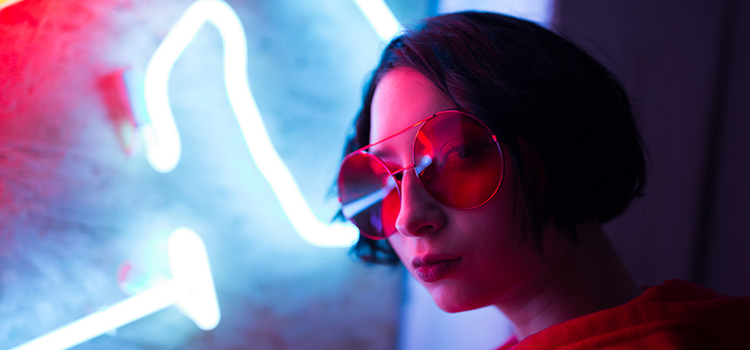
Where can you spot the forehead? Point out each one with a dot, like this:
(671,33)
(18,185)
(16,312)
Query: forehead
(403,97)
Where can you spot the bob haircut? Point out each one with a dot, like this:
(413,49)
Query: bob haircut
(564,118)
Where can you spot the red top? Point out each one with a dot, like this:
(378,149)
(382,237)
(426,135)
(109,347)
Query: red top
(675,315)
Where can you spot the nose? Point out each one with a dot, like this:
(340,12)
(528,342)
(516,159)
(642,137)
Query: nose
(420,214)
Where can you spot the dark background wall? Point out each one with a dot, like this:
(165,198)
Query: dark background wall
(686,65)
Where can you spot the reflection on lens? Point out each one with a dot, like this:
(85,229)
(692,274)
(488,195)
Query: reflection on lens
(456,158)
(469,169)
(365,185)
(424,162)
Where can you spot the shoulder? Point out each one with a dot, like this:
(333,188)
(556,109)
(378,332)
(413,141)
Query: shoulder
(675,315)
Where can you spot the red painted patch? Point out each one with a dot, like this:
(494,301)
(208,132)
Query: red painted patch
(49,54)
(115,95)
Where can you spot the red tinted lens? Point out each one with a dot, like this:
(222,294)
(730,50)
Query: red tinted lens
(458,160)
(368,195)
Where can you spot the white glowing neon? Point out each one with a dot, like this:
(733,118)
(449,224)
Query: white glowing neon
(191,290)
(163,141)
(188,261)
(380,17)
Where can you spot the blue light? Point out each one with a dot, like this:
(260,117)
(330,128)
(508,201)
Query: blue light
(191,289)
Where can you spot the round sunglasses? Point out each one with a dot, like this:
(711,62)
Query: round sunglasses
(455,156)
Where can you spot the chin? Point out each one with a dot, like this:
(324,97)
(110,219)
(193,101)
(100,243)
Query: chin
(454,300)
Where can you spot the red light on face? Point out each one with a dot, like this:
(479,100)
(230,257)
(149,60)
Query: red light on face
(455,156)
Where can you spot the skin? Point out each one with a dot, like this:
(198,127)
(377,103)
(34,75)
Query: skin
(493,267)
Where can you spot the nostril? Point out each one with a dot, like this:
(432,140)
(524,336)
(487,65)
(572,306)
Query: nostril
(424,230)
(416,228)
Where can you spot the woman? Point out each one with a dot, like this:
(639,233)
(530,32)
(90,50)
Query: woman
(487,155)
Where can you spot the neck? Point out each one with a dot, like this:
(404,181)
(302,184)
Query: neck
(578,280)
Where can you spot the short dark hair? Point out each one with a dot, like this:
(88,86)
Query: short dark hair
(535,90)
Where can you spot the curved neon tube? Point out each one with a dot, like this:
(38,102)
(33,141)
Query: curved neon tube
(162,138)
(191,289)
(380,17)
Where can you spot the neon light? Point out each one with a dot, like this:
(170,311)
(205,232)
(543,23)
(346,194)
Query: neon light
(163,141)
(539,11)
(191,289)
(380,17)
(188,262)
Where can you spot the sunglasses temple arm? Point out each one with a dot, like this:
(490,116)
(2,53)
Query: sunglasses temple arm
(353,208)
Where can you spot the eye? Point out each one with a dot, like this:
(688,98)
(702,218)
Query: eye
(462,152)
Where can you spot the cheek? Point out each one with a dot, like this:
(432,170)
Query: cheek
(399,245)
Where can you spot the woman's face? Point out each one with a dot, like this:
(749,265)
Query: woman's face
(465,258)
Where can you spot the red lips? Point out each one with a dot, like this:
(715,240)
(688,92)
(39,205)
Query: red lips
(432,268)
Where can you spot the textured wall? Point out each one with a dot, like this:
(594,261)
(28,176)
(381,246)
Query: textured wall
(75,207)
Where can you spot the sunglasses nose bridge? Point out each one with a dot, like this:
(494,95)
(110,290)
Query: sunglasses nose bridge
(395,173)
(418,213)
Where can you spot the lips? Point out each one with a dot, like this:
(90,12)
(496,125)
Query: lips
(433,268)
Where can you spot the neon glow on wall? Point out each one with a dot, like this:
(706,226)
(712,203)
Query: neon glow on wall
(191,289)
(380,17)
(163,140)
